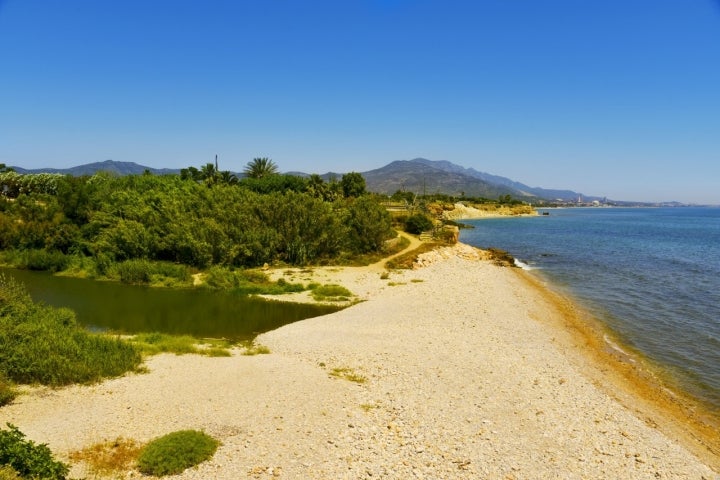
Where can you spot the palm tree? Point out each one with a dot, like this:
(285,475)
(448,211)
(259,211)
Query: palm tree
(228,178)
(209,174)
(260,168)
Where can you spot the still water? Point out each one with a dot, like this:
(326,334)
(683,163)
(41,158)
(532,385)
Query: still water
(133,309)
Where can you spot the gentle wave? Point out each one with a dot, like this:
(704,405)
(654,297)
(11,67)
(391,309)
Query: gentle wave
(652,275)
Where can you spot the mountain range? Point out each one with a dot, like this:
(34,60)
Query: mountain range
(420,175)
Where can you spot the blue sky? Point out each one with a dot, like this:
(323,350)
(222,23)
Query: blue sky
(617,98)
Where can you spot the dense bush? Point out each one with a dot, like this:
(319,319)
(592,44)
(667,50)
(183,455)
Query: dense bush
(46,260)
(418,223)
(369,223)
(28,459)
(46,345)
(175,452)
(134,271)
(167,218)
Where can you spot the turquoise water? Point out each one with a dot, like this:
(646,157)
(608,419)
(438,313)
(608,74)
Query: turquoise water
(651,274)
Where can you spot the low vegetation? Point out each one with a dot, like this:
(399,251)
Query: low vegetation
(175,452)
(348,374)
(26,459)
(42,344)
(331,293)
(251,348)
(107,458)
(154,343)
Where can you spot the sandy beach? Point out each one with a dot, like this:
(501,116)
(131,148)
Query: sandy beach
(459,369)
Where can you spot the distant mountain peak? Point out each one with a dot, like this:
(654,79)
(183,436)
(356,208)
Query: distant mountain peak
(418,175)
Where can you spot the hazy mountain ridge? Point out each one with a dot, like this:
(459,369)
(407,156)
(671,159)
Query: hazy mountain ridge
(121,168)
(498,180)
(420,175)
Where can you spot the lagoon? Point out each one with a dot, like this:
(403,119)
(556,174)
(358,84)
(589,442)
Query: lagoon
(129,309)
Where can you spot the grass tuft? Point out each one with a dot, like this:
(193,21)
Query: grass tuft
(348,374)
(253,349)
(176,452)
(9,473)
(331,293)
(154,343)
(105,458)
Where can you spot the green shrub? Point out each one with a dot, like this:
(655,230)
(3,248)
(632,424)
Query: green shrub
(418,223)
(42,344)
(28,459)
(221,278)
(175,452)
(51,261)
(136,271)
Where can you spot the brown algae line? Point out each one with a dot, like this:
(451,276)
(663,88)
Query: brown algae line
(630,377)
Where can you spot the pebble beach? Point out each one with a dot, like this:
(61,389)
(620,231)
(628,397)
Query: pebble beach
(458,369)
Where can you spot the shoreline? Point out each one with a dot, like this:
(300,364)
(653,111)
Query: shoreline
(632,379)
(471,370)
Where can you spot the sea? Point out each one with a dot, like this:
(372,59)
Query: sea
(650,275)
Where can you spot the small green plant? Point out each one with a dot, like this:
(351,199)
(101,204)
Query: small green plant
(348,374)
(176,452)
(367,407)
(331,293)
(417,280)
(28,459)
(384,275)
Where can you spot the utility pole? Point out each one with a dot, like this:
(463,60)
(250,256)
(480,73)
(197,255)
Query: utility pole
(216,165)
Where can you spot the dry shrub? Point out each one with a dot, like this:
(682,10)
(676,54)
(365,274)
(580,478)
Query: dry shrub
(113,456)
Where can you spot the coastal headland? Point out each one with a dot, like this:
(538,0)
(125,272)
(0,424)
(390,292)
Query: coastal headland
(457,369)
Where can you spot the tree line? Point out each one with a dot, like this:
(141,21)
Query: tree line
(200,218)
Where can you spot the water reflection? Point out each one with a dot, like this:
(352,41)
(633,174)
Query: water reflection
(133,309)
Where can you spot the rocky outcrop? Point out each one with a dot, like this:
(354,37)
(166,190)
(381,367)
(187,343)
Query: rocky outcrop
(460,211)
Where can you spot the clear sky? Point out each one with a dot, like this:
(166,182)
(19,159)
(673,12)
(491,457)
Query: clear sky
(616,98)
